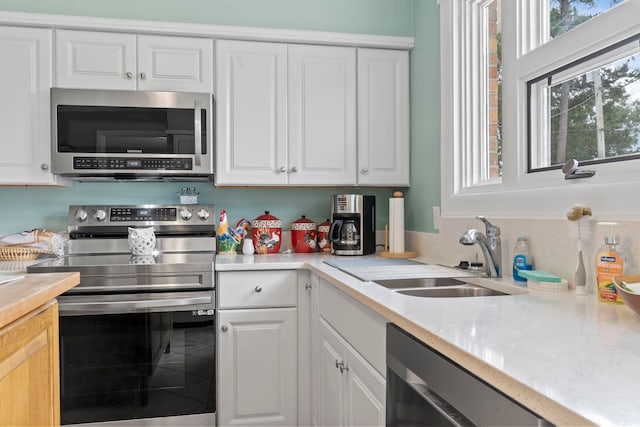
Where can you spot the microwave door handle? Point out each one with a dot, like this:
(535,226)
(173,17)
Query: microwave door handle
(197,125)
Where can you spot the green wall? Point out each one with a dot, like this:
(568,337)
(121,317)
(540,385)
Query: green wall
(389,17)
(425,118)
(24,208)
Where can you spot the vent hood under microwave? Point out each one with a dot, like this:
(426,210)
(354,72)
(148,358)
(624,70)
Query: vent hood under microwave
(107,135)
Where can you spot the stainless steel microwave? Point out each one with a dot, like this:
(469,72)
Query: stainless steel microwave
(132,135)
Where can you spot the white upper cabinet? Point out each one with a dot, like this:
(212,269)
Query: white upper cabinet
(383,117)
(25,83)
(251,127)
(100,60)
(286,114)
(322,115)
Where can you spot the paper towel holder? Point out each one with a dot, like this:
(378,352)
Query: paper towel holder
(386,253)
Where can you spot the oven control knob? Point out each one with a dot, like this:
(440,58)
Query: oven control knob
(185,214)
(80,215)
(100,215)
(203,214)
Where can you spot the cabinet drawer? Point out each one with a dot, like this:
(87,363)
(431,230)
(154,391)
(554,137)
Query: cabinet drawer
(247,289)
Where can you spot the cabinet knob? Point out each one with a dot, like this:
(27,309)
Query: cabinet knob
(307,286)
(337,363)
(224,328)
(258,288)
(294,169)
(129,74)
(44,167)
(282,169)
(143,76)
(364,171)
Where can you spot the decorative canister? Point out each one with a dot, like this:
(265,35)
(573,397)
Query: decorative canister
(266,233)
(303,235)
(142,241)
(323,236)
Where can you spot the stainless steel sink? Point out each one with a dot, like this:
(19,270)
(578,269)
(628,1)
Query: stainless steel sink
(419,282)
(439,287)
(451,292)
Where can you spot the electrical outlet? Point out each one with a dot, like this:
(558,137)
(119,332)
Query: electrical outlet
(436,217)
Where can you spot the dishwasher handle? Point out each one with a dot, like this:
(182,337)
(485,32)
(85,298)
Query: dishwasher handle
(455,417)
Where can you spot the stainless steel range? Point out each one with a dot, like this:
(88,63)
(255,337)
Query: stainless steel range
(137,335)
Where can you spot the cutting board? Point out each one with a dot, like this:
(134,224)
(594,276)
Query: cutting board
(373,269)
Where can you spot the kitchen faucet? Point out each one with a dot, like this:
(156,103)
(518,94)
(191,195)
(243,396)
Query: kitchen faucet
(489,244)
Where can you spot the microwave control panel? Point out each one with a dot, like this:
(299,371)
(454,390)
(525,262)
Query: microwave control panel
(127,163)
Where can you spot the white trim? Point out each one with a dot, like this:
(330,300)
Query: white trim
(204,30)
(611,192)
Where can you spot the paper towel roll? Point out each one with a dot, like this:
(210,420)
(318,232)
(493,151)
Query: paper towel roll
(396,224)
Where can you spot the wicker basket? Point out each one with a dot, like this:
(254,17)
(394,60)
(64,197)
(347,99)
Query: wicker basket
(20,253)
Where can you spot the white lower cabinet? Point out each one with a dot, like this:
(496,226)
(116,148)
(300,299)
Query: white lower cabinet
(257,362)
(347,360)
(352,392)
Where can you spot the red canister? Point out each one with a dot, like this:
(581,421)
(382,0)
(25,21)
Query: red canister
(303,235)
(266,233)
(323,236)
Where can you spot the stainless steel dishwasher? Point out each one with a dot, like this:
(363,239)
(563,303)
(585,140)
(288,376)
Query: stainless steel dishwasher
(424,388)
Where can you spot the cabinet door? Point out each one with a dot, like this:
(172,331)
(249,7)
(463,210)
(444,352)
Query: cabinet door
(322,115)
(95,60)
(331,383)
(25,82)
(29,371)
(180,64)
(383,117)
(257,367)
(365,392)
(251,135)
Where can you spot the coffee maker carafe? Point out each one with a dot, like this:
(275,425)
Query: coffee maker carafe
(353,223)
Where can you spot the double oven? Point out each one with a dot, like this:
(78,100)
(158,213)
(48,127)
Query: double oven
(137,335)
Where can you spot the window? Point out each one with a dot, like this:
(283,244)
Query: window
(588,111)
(568,79)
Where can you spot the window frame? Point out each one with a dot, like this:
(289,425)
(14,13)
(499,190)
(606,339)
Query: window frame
(526,55)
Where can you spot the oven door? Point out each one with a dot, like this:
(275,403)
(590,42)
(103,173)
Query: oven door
(137,356)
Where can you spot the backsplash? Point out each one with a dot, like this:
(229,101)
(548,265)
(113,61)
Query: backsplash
(26,208)
(554,250)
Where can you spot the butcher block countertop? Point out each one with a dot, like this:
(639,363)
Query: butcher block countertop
(22,296)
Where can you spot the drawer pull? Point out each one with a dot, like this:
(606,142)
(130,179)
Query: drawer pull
(258,288)
(224,328)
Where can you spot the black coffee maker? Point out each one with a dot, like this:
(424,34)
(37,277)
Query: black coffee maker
(353,224)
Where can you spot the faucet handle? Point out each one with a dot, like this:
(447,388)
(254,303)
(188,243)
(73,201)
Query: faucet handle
(492,230)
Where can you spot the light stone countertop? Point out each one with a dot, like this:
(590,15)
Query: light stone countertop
(569,358)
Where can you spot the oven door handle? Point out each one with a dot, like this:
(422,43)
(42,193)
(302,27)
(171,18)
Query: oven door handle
(197,124)
(136,304)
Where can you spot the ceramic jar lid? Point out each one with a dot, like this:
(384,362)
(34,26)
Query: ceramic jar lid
(266,221)
(303,223)
(324,226)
